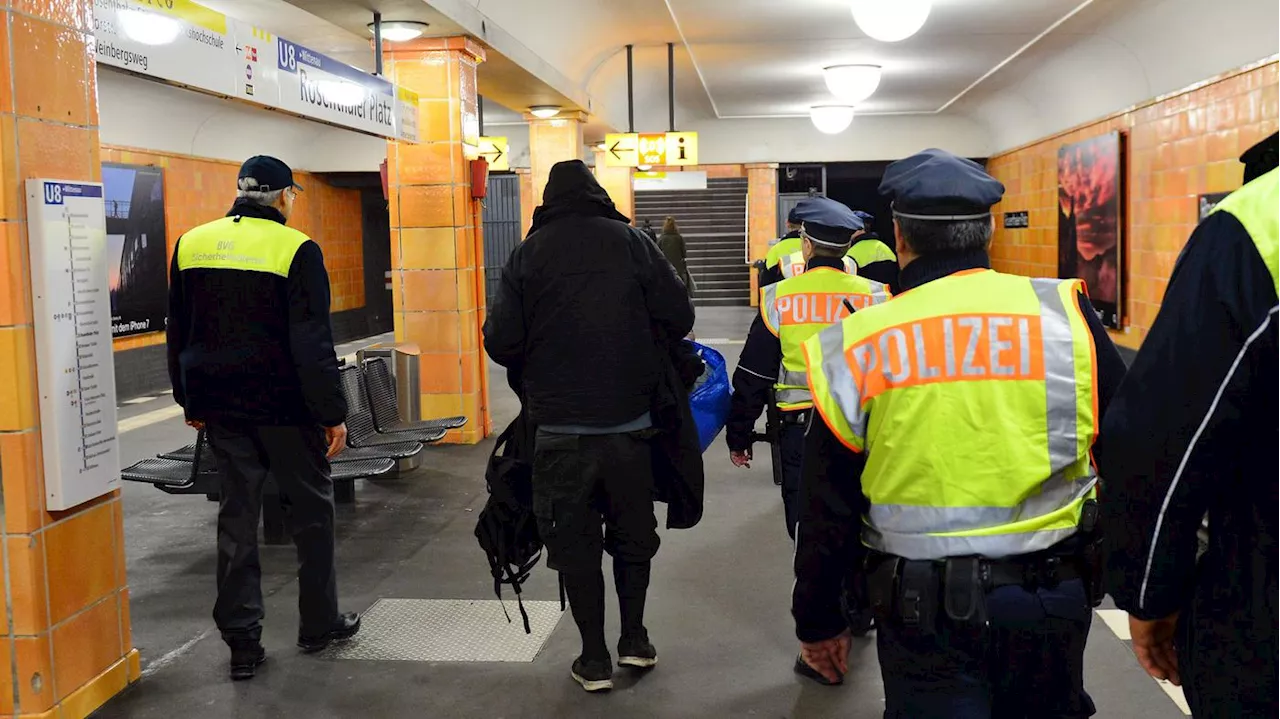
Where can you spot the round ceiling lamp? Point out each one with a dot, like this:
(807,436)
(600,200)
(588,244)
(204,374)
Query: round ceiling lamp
(544,112)
(831,119)
(891,20)
(852,83)
(401,30)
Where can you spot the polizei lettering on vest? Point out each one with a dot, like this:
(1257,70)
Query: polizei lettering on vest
(818,307)
(950,349)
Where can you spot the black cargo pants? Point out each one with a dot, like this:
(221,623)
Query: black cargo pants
(295,458)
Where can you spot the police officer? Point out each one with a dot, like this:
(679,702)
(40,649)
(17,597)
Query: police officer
(953,441)
(252,363)
(785,245)
(1193,433)
(791,311)
(874,259)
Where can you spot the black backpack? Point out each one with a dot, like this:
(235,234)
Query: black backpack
(507,530)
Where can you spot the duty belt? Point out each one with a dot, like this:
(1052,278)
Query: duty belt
(800,417)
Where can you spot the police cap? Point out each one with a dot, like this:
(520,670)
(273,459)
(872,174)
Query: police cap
(867,218)
(937,185)
(826,222)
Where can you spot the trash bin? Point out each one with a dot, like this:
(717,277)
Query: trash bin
(403,360)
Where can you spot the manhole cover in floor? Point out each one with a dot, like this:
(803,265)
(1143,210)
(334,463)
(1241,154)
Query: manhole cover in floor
(449,630)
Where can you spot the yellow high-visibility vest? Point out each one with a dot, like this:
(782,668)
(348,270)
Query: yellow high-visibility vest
(796,309)
(784,246)
(1254,205)
(249,244)
(794,264)
(868,251)
(974,398)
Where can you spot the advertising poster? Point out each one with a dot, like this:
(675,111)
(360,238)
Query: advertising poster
(137,269)
(175,40)
(1090,202)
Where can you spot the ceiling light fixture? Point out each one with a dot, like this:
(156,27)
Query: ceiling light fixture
(544,112)
(148,28)
(831,119)
(891,21)
(401,30)
(644,168)
(852,83)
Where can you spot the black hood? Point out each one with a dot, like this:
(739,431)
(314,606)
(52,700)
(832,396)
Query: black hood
(572,190)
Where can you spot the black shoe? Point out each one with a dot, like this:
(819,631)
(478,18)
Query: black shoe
(594,676)
(343,628)
(862,624)
(245,662)
(808,672)
(635,651)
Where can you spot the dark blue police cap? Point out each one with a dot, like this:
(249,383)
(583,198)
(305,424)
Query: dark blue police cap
(268,174)
(867,218)
(826,221)
(937,185)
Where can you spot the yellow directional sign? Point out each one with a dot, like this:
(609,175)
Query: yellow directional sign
(682,148)
(659,149)
(495,150)
(620,149)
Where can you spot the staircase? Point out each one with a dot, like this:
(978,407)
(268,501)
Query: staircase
(714,225)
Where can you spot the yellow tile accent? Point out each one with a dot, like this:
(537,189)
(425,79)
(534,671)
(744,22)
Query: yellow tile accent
(81,561)
(90,697)
(427,248)
(135,665)
(86,646)
(17,379)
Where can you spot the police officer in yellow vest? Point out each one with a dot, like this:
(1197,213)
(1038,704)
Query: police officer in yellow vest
(252,363)
(791,311)
(951,461)
(875,259)
(786,245)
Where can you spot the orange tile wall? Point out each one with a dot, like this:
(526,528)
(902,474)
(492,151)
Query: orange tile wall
(198,190)
(1176,148)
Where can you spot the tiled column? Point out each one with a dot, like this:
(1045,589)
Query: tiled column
(550,141)
(762,203)
(617,182)
(437,248)
(67,644)
(527,201)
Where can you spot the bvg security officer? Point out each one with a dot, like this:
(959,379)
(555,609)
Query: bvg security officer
(251,361)
(791,311)
(955,429)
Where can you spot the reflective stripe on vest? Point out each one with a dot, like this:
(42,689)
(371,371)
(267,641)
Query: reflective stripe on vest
(248,244)
(785,246)
(869,251)
(1254,205)
(975,402)
(796,309)
(793,265)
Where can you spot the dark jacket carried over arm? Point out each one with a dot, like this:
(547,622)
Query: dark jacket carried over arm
(254,346)
(579,305)
(828,540)
(1193,431)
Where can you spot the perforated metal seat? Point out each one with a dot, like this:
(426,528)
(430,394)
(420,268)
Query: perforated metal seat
(386,410)
(160,472)
(361,431)
(401,450)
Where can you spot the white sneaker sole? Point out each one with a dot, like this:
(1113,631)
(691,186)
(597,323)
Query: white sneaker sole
(638,662)
(596,685)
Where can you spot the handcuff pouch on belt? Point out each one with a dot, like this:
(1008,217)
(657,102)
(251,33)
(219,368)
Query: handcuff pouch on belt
(1093,554)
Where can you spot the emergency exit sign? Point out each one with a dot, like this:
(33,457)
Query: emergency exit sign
(630,149)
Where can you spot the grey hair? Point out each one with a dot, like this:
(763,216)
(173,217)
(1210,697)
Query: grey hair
(928,237)
(248,190)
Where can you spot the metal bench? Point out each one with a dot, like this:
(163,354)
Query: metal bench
(399,451)
(361,430)
(386,410)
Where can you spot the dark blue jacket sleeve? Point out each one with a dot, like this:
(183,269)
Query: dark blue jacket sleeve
(175,329)
(311,337)
(756,372)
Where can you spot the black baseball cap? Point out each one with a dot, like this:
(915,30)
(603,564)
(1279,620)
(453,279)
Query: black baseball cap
(270,173)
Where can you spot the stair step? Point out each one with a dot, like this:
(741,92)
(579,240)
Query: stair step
(718,302)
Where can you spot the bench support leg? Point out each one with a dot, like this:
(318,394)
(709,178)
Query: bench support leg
(344,491)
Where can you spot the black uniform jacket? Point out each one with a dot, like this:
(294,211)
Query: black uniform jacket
(1193,432)
(828,545)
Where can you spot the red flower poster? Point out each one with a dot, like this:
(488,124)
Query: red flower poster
(1090,221)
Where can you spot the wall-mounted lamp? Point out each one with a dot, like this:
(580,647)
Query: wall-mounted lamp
(401,30)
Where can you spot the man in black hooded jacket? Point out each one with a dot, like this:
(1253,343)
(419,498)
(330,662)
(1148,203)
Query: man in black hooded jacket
(581,304)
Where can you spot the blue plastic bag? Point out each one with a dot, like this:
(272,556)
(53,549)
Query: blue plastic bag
(709,399)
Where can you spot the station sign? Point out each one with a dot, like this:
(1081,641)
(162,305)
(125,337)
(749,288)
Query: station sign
(497,151)
(630,149)
(185,43)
